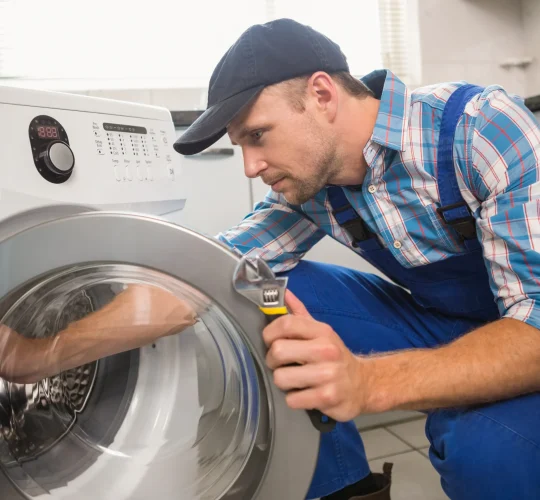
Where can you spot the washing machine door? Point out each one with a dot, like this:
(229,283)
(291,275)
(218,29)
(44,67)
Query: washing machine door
(194,415)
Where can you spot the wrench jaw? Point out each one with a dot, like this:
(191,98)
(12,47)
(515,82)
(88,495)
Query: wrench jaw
(264,270)
(255,280)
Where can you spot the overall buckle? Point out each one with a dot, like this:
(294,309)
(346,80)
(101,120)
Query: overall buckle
(465,226)
(355,227)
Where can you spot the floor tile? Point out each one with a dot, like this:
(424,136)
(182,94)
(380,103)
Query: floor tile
(412,433)
(386,418)
(413,477)
(425,452)
(381,443)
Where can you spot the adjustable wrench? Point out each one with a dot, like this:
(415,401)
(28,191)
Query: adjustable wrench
(254,279)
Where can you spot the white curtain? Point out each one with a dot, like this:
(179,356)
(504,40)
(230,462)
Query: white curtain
(175,42)
(399,36)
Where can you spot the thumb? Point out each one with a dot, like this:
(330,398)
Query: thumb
(295,306)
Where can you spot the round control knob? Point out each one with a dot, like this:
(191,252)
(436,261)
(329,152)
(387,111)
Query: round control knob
(58,158)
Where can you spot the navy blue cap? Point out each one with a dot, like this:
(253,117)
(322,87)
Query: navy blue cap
(265,54)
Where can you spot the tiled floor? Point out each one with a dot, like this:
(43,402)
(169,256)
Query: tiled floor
(406,446)
(399,437)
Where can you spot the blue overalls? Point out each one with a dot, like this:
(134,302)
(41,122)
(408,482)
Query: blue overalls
(481,452)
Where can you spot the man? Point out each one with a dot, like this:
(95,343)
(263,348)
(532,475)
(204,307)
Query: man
(440,190)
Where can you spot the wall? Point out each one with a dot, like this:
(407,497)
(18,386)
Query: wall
(173,99)
(470,39)
(531,26)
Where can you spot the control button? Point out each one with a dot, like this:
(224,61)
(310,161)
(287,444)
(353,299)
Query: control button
(149,174)
(397,244)
(372,188)
(129,177)
(170,171)
(165,140)
(58,158)
(100,152)
(118,173)
(140,173)
(61,157)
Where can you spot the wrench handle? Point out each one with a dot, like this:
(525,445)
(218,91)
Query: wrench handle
(273,313)
(320,421)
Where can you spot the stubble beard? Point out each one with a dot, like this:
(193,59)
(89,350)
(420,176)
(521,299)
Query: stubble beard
(327,164)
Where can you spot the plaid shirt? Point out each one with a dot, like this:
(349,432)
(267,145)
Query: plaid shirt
(496,156)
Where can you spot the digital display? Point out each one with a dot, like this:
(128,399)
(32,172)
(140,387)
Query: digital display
(48,132)
(115,127)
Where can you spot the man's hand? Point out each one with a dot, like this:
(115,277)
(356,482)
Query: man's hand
(330,378)
(138,316)
(148,311)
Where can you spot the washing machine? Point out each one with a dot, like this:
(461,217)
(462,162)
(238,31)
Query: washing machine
(88,192)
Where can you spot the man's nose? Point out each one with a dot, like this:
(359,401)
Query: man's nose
(253,164)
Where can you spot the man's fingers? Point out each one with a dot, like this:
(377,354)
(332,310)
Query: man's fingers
(295,305)
(289,378)
(294,327)
(307,399)
(294,377)
(284,352)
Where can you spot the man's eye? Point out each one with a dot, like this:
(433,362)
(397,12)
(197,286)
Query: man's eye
(257,135)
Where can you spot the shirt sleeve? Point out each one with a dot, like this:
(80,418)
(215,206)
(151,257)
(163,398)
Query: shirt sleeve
(275,231)
(504,177)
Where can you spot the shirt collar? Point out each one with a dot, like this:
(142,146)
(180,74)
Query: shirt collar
(393,118)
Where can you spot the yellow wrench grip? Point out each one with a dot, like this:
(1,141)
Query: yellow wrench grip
(274,311)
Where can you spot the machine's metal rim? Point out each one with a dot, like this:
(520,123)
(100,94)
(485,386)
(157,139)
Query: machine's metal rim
(201,262)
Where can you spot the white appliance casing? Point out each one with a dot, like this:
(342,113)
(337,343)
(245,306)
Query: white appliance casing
(146,184)
(106,181)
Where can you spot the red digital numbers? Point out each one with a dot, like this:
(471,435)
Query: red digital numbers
(47,132)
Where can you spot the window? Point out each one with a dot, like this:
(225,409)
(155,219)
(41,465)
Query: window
(162,42)
(400,38)
(83,45)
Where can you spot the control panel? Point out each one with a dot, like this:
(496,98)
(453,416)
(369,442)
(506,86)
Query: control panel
(67,148)
(136,153)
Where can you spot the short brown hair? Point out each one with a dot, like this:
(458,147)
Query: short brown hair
(295,89)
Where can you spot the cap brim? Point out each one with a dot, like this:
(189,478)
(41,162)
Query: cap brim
(212,124)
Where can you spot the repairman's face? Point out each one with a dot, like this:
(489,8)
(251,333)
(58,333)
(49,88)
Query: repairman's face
(289,146)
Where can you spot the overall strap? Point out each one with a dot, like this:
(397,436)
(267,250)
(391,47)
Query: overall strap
(454,211)
(457,213)
(346,215)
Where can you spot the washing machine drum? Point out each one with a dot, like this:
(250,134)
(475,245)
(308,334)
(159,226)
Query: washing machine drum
(194,415)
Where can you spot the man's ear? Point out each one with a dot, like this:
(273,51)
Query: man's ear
(323,92)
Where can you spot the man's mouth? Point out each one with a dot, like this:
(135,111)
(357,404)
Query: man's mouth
(273,183)
(278,184)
